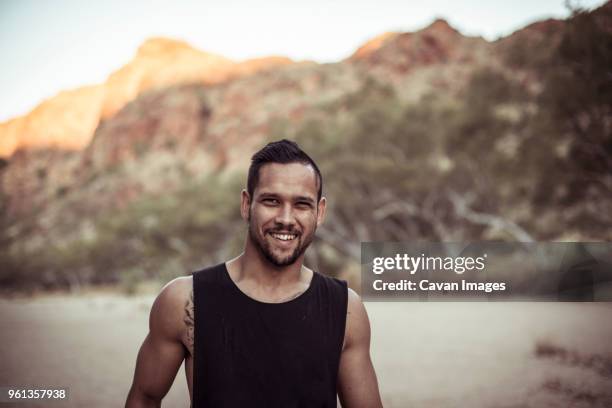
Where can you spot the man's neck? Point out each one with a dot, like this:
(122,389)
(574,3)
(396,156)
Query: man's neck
(252,267)
(266,284)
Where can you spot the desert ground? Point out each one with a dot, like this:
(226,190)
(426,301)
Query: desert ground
(506,355)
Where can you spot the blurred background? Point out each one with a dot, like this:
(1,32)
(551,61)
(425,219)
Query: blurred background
(444,123)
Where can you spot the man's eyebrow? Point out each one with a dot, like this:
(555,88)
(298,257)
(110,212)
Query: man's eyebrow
(266,195)
(304,198)
(298,198)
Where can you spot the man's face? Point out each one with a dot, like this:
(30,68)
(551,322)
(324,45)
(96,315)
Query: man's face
(283,213)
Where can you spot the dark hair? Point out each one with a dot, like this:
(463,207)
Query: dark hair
(284,152)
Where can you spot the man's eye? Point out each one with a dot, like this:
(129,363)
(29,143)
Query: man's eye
(271,201)
(303,204)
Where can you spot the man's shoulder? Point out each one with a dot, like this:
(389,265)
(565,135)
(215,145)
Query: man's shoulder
(177,289)
(169,306)
(357,328)
(354,300)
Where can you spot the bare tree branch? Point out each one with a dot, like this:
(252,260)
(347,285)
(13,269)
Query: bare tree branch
(461,206)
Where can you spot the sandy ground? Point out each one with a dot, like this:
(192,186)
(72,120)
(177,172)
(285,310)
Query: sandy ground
(425,354)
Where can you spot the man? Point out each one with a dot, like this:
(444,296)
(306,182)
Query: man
(263,330)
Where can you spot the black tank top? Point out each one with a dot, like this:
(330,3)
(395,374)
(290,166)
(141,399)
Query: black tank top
(249,353)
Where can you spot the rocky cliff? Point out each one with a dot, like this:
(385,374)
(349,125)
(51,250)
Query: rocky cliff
(68,120)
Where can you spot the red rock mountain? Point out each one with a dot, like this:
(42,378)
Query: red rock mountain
(174,112)
(68,120)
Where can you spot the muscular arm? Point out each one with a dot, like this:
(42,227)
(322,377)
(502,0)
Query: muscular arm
(358,387)
(162,351)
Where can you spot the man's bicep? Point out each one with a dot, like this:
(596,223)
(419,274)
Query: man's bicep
(357,382)
(162,351)
(158,362)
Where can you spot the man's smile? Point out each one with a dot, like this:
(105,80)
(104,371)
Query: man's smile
(283,236)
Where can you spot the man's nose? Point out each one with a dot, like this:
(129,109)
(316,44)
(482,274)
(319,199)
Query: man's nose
(285,215)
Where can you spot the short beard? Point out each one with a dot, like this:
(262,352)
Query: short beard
(264,248)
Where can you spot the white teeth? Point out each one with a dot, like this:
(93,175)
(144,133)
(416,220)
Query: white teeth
(284,237)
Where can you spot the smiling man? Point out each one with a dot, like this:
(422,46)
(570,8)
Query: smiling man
(263,330)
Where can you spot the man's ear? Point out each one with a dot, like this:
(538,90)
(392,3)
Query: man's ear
(321,208)
(245,205)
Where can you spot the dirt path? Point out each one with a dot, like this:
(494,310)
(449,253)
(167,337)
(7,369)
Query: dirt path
(426,354)
(89,344)
(483,354)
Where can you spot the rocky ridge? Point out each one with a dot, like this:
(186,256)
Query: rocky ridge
(174,113)
(68,120)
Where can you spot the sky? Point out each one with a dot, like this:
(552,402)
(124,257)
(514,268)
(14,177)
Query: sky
(50,46)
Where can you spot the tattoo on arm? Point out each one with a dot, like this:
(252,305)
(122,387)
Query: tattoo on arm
(189,321)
